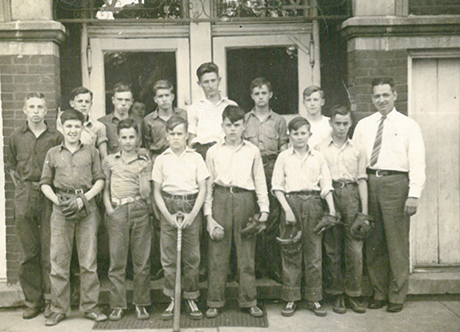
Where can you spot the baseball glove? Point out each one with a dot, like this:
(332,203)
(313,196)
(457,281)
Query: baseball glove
(325,223)
(253,227)
(70,209)
(362,226)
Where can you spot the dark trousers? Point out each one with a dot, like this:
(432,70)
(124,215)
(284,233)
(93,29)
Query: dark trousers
(343,258)
(232,212)
(190,249)
(268,255)
(387,249)
(130,229)
(32,215)
(308,212)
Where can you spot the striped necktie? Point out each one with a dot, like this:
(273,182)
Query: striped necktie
(377,142)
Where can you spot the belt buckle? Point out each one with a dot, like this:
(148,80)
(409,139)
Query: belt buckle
(78,191)
(231,190)
(130,199)
(377,173)
(342,185)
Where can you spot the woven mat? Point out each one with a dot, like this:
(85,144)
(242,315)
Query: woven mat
(232,316)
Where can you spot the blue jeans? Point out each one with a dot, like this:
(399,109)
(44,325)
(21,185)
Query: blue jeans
(190,249)
(343,255)
(308,212)
(32,216)
(63,235)
(129,227)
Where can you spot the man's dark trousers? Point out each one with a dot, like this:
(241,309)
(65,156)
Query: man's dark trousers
(32,215)
(387,249)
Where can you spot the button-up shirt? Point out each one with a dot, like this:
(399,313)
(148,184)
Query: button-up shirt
(205,120)
(179,175)
(346,162)
(268,135)
(241,167)
(26,152)
(153,129)
(93,133)
(402,146)
(124,175)
(320,130)
(294,172)
(71,171)
(111,122)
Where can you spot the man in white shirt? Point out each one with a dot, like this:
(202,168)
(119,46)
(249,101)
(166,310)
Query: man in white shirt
(313,100)
(395,152)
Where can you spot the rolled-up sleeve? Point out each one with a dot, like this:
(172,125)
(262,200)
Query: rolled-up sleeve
(96,168)
(48,170)
(260,183)
(325,177)
(278,178)
(212,175)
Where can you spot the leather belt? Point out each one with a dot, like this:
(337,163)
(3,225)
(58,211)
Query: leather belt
(126,200)
(379,173)
(71,191)
(233,190)
(183,197)
(343,184)
(305,193)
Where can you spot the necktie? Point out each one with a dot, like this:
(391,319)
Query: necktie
(377,143)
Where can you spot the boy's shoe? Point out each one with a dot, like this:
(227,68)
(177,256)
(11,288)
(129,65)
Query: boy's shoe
(47,312)
(395,307)
(255,311)
(142,313)
(212,312)
(193,310)
(356,305)
(54,319)
(339,305)
(116,314)
(97,316)
(169,312)
(376,304)
(31,312)
(317,308)
(289,309)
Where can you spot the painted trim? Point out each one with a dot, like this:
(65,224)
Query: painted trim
(2,207)
(16,48)
(388,43)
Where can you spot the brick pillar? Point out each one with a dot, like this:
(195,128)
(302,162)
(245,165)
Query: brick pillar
(29,61)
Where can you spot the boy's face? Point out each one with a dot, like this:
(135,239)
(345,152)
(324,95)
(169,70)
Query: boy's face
(138,109)
(313,103)
(340,125)
(261,96)
(177,137)
(384,98)
(72,131)
(122,102)
(233,131)
(35,110)
(299,137)
(210,82)
(82,103)
(127,139)
(164,99)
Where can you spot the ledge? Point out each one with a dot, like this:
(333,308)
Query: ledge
(378,26)
(36,31)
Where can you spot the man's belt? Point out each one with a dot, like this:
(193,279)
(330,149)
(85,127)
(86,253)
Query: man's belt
(126,200)
(233,190)
(182,197)
(305,193)
(380,173)
(343,184)
(71,191)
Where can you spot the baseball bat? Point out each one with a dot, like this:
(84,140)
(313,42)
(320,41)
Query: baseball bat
(178,288)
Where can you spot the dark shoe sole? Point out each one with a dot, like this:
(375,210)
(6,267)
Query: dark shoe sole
(339,310)
(287,313)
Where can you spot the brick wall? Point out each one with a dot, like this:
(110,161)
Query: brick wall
(19,76)
(364,66)
(434,7)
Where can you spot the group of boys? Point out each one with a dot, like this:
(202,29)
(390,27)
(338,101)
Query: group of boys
(212,168)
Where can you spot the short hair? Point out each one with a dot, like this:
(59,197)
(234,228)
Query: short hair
(312,89)
(162,84)
(31,95)
(121,87)
(207,67)
(382,81)
(259,82)
(126,124)
(72,115)
(298,122)
(340,109)
(175,121)
(233,113)
(81,90)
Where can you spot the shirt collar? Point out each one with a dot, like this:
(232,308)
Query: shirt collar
(253,113)
(62,146)
(156,113)
(390,115)
(170,151)
(117,155)
(347,142)
(310,151)
(25,127)
(222,99)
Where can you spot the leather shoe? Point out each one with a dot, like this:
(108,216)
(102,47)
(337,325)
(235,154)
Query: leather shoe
(193,310)
(54,319)
(168,313)
(212,312)
(142,313)
(355,305)
(395,307)
(376,304)
(289,309)
(47,312)
(255,311)
(31,312)
(317,308)
(97,316)
(116,314)
(339,305)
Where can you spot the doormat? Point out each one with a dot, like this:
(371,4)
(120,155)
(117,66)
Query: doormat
(231,316)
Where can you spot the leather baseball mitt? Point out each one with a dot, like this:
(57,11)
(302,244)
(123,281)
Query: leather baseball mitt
(325,223)
(362,226)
